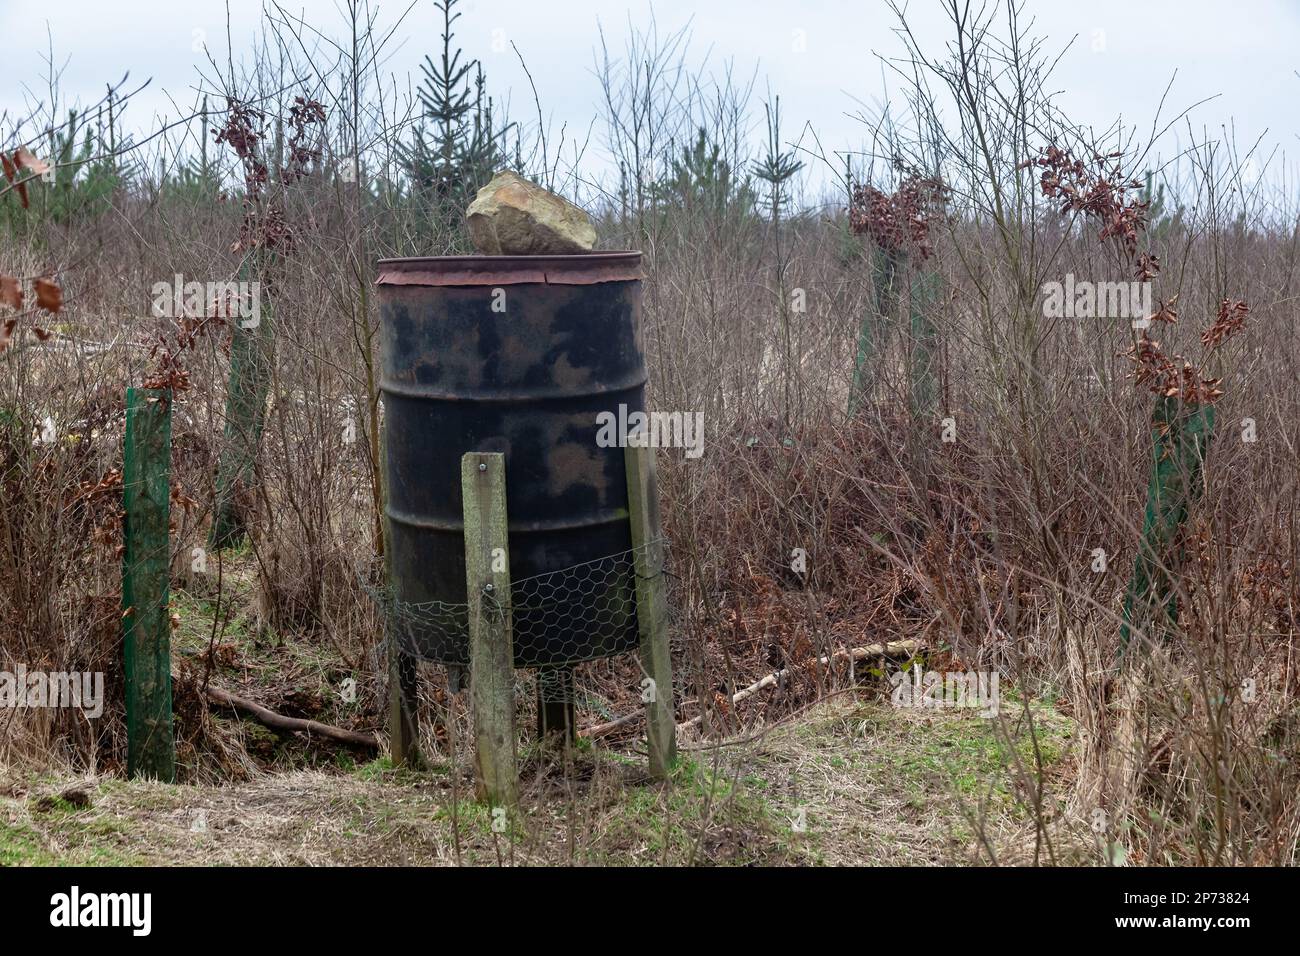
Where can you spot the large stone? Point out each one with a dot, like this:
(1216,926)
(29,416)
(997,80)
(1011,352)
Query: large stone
(511,216)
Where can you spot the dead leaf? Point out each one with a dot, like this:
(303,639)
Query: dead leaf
(11,293)
(25,160)
(48,295)
(7,333)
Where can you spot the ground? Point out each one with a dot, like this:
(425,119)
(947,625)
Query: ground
(853,781)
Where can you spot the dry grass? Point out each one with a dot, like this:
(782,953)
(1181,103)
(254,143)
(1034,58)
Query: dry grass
(877,786)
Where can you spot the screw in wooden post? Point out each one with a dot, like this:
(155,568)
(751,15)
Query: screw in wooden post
(651,608)
(491,650)
(146,623)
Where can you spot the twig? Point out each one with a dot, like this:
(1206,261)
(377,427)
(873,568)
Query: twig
(891,649)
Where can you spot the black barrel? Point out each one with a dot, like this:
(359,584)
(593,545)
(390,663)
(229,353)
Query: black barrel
(520,355)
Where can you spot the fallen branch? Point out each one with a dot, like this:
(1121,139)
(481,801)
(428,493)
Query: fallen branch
(607,728)
(280,722)
(892,649)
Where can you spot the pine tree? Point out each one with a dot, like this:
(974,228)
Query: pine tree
(701,181)
(776,168)
(456,146)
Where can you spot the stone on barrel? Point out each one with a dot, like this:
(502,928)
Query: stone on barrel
(511,216)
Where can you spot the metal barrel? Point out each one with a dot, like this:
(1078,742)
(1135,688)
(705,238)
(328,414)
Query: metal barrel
(520,355)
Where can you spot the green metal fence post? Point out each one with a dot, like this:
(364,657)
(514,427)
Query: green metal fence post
(146,494)
(875,324)
(1180,438)
(924,296)
(252,342)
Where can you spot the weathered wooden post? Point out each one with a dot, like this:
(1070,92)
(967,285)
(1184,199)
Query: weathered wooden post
(403,668)
(556,710)
(403,701)
(146,624)
(651,607)
(491,647)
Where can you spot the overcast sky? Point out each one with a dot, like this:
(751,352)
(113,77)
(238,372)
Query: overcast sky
(819,55)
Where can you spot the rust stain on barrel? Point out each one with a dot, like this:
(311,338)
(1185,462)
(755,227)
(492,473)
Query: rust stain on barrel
(590,269)
(459,375)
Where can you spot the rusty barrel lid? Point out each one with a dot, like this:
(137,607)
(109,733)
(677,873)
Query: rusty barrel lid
(588,269)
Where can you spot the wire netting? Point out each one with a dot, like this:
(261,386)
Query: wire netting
(558,618)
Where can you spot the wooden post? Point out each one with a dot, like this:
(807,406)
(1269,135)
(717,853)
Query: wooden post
(491,648)
(403,668)
(651,608)
(556,712)
(146,623)
(403,699)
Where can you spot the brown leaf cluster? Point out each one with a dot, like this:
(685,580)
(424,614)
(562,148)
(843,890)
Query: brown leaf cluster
(1098,191)
(1230,320)
(1166,313)
(105,497)
(1170,377)
(169,369)
(110,483)
(303,114)
(48,297)
(1148,267)
(898,223)
(265,225)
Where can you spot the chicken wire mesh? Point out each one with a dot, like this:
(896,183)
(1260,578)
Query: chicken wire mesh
(558,618)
